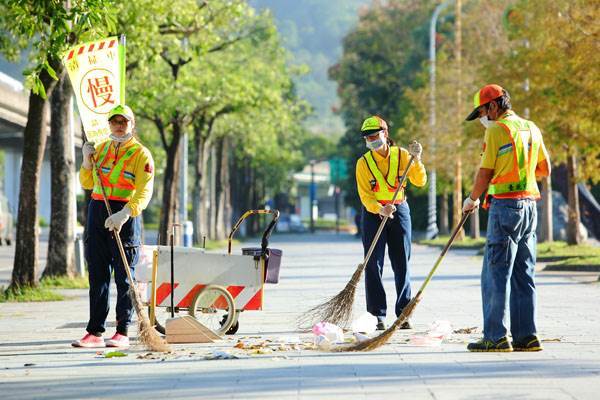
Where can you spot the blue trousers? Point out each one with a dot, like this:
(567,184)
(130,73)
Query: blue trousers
(397,236)
(103,257)
(507,278)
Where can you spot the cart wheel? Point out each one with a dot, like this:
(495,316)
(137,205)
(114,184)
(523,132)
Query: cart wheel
(234,326)
(213,305)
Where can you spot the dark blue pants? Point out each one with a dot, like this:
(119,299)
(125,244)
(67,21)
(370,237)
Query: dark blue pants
(397,235)
(103,257)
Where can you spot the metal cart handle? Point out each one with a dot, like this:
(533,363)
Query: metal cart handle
(266,234)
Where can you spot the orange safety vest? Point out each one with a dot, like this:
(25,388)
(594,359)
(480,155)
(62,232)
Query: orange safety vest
(525,142)
(384,188)
(118,184)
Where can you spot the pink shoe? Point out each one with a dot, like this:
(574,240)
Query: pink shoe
(118,340)
(89,340)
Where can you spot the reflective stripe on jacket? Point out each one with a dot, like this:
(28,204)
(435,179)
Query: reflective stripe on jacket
(525,142)
(384,188)
(118,185)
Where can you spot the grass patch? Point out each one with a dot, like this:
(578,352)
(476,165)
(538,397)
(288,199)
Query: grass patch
(586,260)
(64,282)
(467,243)
(561,250)
(28,294)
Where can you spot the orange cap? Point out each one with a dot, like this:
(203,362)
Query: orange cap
(484,96)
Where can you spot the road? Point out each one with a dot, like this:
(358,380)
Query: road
(36,360)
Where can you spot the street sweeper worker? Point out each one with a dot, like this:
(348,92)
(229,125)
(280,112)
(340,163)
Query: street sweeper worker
(513,157)
(377,175)
(126,171)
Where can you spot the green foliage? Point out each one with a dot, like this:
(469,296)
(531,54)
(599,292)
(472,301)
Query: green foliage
(48,28)
(382,59)
(28,294)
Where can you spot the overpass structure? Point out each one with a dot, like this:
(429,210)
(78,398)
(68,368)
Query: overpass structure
(14,104)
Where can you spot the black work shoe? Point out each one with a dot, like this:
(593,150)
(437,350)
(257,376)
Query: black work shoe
(381,324)
(406,325)
(528,343)
(485,345)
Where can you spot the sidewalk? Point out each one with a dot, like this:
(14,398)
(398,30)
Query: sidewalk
(37,361)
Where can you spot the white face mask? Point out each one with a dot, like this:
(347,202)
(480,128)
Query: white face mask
(121,139)
(375,144)
(485,121)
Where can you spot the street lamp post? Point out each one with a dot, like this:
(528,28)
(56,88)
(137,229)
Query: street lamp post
(312,195)
(432,229)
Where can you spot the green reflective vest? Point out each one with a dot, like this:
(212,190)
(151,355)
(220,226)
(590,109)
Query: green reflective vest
(383,187)
(520,181)
(118,184)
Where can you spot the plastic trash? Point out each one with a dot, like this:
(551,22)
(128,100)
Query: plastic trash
(436,333)
(332,332)
(322,342)
(366,323)
(360,337)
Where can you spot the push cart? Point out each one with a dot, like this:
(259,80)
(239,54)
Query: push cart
(213,288)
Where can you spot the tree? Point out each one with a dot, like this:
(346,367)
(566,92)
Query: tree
(554,50)
(381,60)
(61,249)
(164,87)
(45,27)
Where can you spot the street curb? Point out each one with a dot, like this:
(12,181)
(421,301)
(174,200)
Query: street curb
(575,268)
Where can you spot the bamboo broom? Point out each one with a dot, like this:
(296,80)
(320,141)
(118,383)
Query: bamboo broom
(380,340)
(338,310)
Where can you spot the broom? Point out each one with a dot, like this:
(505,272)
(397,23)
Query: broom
(147,334)
(338,310)
(380,340)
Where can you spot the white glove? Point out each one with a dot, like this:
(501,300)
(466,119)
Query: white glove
(387,211)
(469,205)
(415,149)
(88,151)
(116,221)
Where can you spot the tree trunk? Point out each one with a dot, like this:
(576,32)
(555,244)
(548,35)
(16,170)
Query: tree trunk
(457,199)
(34,142)
(61,252)
(170,183)
(547,223)
(204,190)
(213,193)
(224,210)
(199,145)
(573,231)
(444,225)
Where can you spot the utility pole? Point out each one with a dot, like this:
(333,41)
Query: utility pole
(312,195)
(459,115)
(432,228)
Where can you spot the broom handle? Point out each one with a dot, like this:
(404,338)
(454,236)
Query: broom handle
(444,251)
(115,235)
(410,307)
(384,220)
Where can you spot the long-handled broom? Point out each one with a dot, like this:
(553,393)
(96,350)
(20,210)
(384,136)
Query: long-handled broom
(380,340)
(147,335)
(338,310)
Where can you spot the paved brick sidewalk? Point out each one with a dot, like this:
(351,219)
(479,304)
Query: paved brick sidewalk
(36,360)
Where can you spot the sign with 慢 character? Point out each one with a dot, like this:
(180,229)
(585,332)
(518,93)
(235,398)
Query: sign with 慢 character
(97,73)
